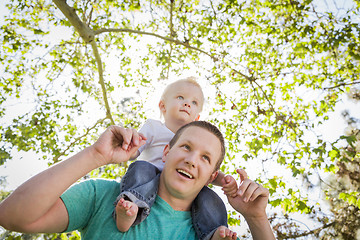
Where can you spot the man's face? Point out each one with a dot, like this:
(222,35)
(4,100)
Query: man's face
(189,164)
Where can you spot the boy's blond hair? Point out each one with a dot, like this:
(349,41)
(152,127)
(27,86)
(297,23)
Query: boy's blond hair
(191,80)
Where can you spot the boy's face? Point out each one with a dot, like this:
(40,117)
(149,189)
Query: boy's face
(182,104)
(189,164)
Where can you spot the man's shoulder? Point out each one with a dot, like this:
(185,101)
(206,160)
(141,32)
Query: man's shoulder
(99,184)
(93,189)
(100,181)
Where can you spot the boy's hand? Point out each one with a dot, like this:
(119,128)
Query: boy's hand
(229,186)
(117,144)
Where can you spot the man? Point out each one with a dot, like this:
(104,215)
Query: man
(40,204)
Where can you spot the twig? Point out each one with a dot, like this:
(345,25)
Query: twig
(341,84)
(168,39)
(56,159)
(101,81)
(314,231)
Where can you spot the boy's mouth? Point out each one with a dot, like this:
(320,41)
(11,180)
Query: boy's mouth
(185,111)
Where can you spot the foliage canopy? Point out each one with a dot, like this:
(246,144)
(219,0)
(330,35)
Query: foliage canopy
(276,70)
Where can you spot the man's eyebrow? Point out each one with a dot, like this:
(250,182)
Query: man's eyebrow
(191,144)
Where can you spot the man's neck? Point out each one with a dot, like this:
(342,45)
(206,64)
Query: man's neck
(177,203)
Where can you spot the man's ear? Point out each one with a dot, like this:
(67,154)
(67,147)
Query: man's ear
(197,118)
(165,152)
(162,106)
(213,177)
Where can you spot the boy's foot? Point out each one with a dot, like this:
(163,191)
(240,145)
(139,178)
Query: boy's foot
(126,212)
(223,232)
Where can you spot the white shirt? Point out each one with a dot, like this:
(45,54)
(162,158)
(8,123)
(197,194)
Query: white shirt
(158,135)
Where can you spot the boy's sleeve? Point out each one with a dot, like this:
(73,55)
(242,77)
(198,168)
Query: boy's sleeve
(147,131)
(79,201)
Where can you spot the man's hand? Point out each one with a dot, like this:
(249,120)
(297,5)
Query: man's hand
(229,186)
(251,199)
(117,144)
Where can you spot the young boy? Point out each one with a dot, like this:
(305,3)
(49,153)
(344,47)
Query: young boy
(181,103)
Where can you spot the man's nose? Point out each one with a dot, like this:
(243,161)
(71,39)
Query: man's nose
(191,160)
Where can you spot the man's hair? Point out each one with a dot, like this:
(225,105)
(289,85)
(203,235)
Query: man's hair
(209,127)
(191,80)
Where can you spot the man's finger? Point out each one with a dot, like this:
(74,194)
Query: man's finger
(251,189)
(127,136)
(135,137)
(243,186)
(243,175)
(118,139)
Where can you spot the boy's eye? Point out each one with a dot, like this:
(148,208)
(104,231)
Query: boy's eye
(180,97)
(195,103)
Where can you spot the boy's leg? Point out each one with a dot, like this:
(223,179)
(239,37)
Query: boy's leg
(140,185)
(223,232)
(208,213)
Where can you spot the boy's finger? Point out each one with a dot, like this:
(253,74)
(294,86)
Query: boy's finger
(230,191)
(142,136)
(227,180)
(234,237)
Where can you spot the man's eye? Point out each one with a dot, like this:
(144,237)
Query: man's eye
(180,97)
(187,147)
(206,158)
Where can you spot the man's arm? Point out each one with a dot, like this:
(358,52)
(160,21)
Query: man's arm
(251,202)
(36,206)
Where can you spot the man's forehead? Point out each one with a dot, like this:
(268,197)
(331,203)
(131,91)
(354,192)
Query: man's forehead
(203,138)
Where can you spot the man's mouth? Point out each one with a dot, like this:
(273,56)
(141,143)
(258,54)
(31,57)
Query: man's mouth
(184,173)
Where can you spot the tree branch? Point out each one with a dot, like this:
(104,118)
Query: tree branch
(101,81)
(341,84)
(168,39)
(103,30)
(314,231)
(86,33)
(56,159)
(172,33)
